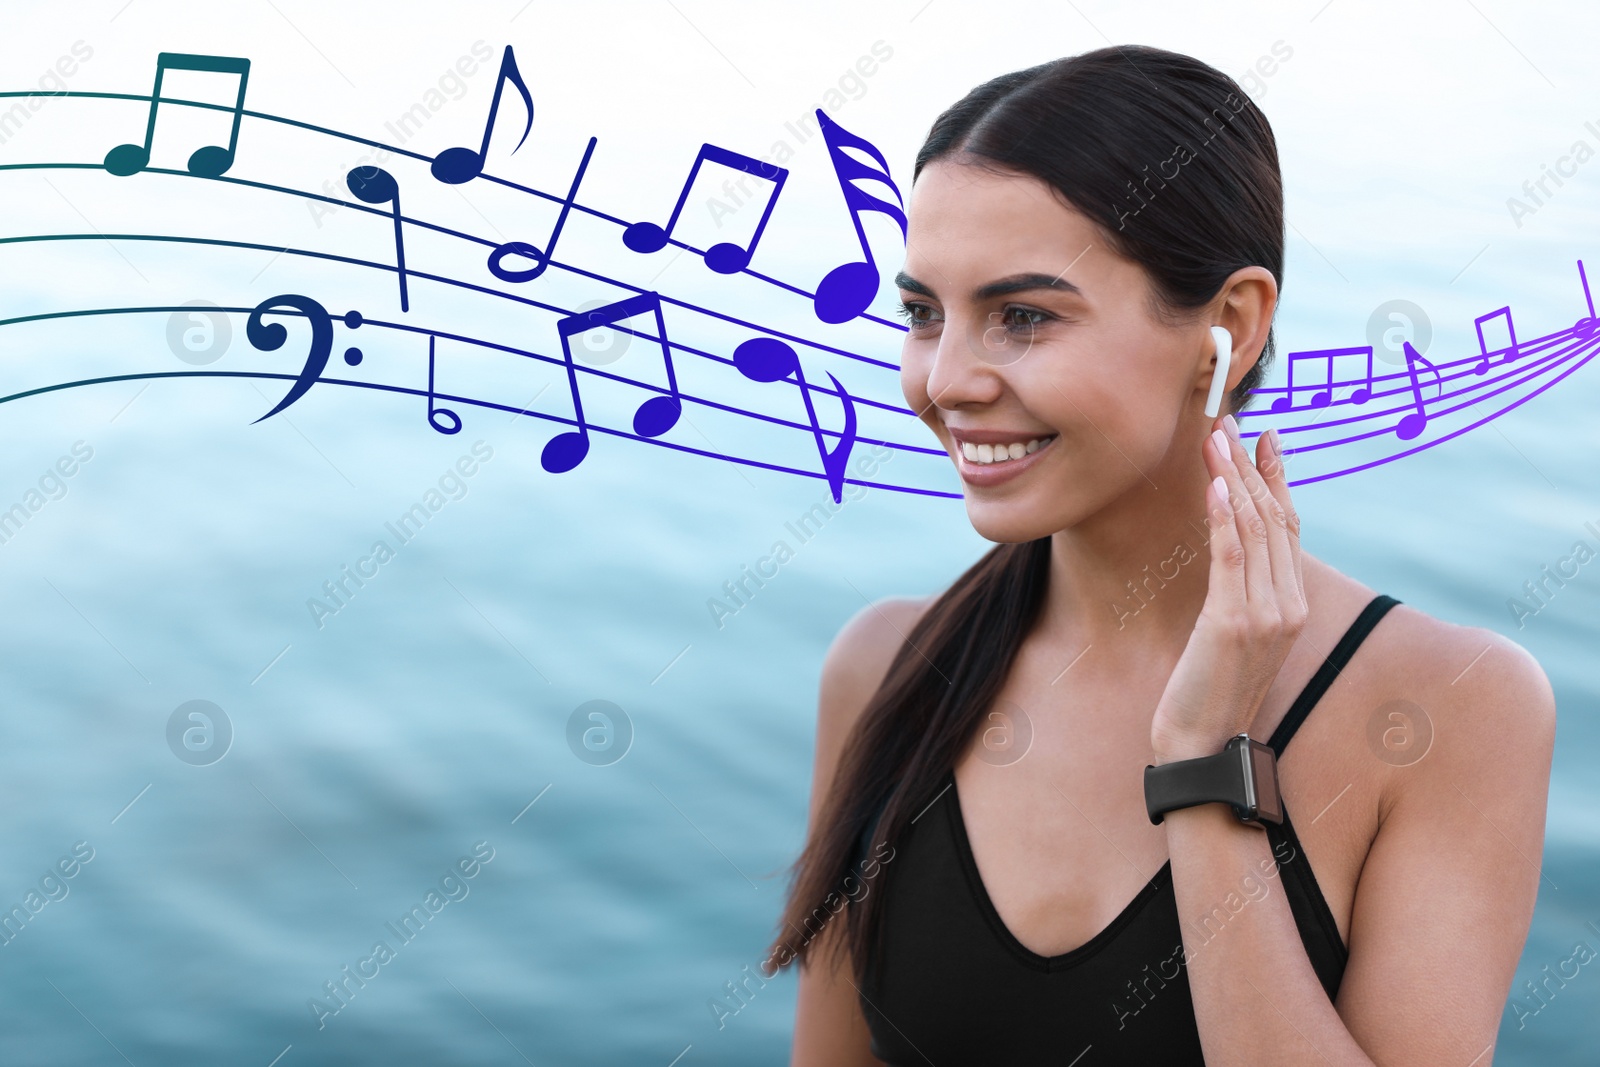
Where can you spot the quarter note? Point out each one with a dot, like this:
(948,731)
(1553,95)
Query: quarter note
(270,336)
(1323,397)
(541,260)
(374,185)
(848,289)
(436,414)
(726,257)
(1414,422)
(1483,345)
(652,418)
(455,166)
(767,359)
(211,161)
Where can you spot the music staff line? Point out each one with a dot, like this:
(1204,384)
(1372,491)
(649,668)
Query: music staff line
(418,156)
(475,402)
(1580,334)
(370,264)
(1441,439)
(493,346)
(473,238)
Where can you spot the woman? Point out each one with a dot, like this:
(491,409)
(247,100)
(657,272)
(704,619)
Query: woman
(983,882)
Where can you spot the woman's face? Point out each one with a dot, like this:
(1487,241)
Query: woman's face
(1026,332)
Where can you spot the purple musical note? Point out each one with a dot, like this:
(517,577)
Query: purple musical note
(726,257)
(1324,396)
(436,414)
(541,260)
(210,161)
(848,289)
(454,166)
(767,359)
(1483,345)
(374,185)
(270,336)
(1414,422)
(652,418)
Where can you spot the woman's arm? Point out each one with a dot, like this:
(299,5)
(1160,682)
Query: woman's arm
(830,1029)
(1441,909)
(1447,888)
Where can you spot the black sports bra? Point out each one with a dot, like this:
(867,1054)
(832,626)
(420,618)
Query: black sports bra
(951,985)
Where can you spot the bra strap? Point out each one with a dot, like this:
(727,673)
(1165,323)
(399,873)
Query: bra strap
(1337,660)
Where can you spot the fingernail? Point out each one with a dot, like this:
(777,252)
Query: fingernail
(1220,439)
(1233,427)
(1272,443)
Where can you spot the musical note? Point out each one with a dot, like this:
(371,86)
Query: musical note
(210,161)
(374,185)
(435,412)
(726,257)
(767,359)
(1413,423)
(1483,345)
(541,260)
(1323,397)
(270,336)
(848,289)
(455,166)
(653,418)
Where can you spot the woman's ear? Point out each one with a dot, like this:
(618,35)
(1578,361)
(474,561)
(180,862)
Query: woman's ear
(1244,307)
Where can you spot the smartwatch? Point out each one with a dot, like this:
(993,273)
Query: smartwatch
(1244,775)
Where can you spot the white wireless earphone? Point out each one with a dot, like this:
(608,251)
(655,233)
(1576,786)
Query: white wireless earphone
(1219,377)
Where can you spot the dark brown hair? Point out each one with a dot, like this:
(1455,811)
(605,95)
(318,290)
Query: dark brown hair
(1179,169)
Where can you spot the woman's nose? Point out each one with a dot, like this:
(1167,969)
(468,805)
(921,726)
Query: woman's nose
(966,364)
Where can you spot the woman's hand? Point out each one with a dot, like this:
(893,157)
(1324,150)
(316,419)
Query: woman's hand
(1255,602)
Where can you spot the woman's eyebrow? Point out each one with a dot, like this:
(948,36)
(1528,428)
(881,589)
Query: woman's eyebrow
(1016,283)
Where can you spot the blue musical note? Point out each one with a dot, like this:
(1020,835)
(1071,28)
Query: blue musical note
(454,166)
(652,419)
(541,260)
(767,359)
(847,290)
(374,185)
(726,257)
(210,161)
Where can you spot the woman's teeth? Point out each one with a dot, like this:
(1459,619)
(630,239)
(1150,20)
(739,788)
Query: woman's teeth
(1000,453)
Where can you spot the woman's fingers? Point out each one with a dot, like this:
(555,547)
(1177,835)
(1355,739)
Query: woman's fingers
(1273,579)
(1269,460)
(1231,563)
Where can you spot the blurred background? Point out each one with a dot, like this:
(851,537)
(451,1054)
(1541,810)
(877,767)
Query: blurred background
(351,764)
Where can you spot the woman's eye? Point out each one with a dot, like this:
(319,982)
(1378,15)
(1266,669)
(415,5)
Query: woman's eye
(1022,320)
(916,315)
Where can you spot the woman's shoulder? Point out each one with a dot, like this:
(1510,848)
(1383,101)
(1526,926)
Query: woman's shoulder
(859,656)
(1474,685)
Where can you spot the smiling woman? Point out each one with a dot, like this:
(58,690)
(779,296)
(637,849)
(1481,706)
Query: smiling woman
(1060,348)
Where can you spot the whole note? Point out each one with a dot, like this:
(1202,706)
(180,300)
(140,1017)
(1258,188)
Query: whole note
(848,289)
(374,185)
(767,359)
(726,257)
(211,161)
(455,166)
(270,336)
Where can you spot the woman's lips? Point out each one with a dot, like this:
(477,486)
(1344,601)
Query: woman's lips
(987,474)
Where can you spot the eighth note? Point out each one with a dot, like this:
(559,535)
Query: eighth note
(374,185)
(210,161)
(767,359)
(726,257)
(1483,345)
(847,290)
(1416,421)
(270,336)
(454,166)
(653,418)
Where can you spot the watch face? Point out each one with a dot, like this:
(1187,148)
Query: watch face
(1264,769)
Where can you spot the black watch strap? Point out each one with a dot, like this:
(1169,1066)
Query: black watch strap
(1233,776)
(1185,783)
